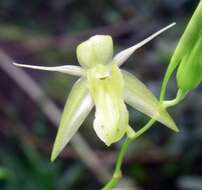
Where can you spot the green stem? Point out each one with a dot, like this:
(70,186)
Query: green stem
(171,67)
(117,172)
(143,129)
(180,96)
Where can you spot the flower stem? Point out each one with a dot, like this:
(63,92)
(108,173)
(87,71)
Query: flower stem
(180,96)
(147,126)
(117,172)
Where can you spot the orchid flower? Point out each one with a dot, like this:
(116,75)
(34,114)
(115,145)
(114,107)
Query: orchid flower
(107,87)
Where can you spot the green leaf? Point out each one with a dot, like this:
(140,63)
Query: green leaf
(141,98)
(78,106)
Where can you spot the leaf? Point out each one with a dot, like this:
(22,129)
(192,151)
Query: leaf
(78,106)
(141,98)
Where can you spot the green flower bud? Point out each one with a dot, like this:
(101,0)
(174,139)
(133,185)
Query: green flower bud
(189,73)
(111,117)
(188,54)
(96,50)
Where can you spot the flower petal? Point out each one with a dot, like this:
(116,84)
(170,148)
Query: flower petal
(121,57)
(78,106)
(96,50)
(111,116)
(68,69)
(141,98)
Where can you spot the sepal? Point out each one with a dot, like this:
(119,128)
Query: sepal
(137,95)
(67,69)
(96,50)
(122,56)
(78,106)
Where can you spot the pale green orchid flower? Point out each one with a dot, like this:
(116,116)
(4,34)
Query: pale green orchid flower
(104,85)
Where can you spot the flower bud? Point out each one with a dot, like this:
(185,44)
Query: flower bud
(189,74)
(96,50)
(188,54)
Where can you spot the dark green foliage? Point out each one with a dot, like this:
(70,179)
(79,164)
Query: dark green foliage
(28,170)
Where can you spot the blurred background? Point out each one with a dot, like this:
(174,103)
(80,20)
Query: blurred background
(46,33)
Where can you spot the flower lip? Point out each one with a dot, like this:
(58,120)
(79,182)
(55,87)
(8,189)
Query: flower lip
(111,115)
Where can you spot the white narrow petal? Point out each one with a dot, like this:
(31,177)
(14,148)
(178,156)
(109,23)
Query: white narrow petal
(122,56)
(68,69)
